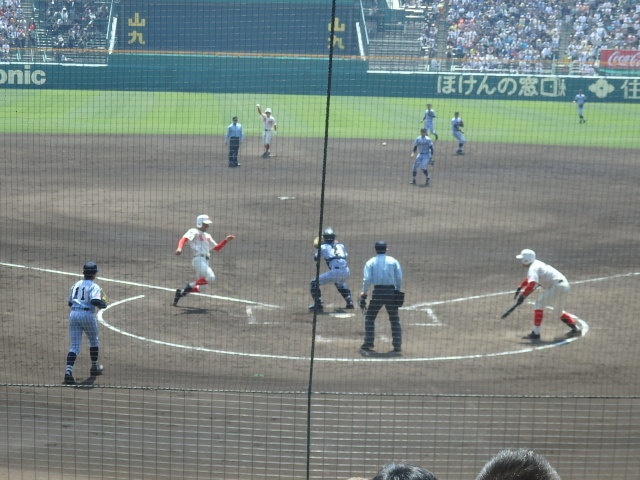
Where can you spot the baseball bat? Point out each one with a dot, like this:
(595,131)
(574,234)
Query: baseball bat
(510,311)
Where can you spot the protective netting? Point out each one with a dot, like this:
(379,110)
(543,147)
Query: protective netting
(117,126)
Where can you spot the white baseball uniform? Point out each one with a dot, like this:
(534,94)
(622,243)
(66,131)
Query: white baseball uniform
(269,124)
(553,282)
(201,244)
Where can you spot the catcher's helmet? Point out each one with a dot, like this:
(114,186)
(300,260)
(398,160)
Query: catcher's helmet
(381,246)
(203,219)
(328,235)
(90,268)
(526,256)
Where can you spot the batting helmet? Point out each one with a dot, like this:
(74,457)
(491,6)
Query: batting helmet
(203,219)
(90,268)
(381,246)
(526,256)
(328,235)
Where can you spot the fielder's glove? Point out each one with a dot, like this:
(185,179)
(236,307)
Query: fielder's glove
(363,302)
(316,242)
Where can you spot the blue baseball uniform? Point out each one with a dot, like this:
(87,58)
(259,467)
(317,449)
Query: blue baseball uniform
(456,130)
(580,100)
(423,146)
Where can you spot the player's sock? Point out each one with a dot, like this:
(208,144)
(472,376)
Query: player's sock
(93,353)
(71,360)
(537,317)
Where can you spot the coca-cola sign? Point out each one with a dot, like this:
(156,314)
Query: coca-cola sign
(620,59)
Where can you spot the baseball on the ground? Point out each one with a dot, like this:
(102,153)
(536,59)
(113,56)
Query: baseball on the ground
(384,144)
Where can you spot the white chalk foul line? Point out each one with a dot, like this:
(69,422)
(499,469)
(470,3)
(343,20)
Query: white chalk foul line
(419,306)
(143,285)
(583,324)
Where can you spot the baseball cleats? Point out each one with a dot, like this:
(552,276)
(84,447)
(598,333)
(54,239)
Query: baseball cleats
(350,306)
(427,182)
(96,370)
(532,336)
(177,297)
(574,332)
(366,349)
(412,182)
(316,307)
(459,152)
(68,379)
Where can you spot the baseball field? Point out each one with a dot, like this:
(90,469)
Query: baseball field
(241,381)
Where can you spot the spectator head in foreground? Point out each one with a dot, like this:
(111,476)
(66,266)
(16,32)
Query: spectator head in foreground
(518,464)
(404,471)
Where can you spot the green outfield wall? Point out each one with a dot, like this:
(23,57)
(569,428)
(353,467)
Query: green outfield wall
(304,76)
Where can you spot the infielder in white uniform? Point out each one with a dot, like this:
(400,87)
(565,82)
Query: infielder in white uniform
(555,287)
(430,120)
(335,255)
(456,130)
(201,244)
(85,299)
(580,100)
(423,146)
(270,127)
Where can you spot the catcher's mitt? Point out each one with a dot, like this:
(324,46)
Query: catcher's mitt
(316,242)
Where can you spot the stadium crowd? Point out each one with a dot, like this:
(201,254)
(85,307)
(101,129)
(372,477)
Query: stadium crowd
(511,34)
(600,25)
(15,30)
(520,36)
(74,24)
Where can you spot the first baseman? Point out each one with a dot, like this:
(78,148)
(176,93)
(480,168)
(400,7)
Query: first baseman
(423,146)
(456,130)
(580,100)
(85,299)
(555,287)
(201,244)
(270,126)
(429,120)
(335,255)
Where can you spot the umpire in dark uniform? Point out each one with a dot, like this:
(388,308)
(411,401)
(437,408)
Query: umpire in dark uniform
(384,273)
(233,138)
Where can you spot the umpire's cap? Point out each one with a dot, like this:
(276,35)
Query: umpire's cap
(381,246)
(90,268)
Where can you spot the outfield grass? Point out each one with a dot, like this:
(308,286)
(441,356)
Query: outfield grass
(378,118)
